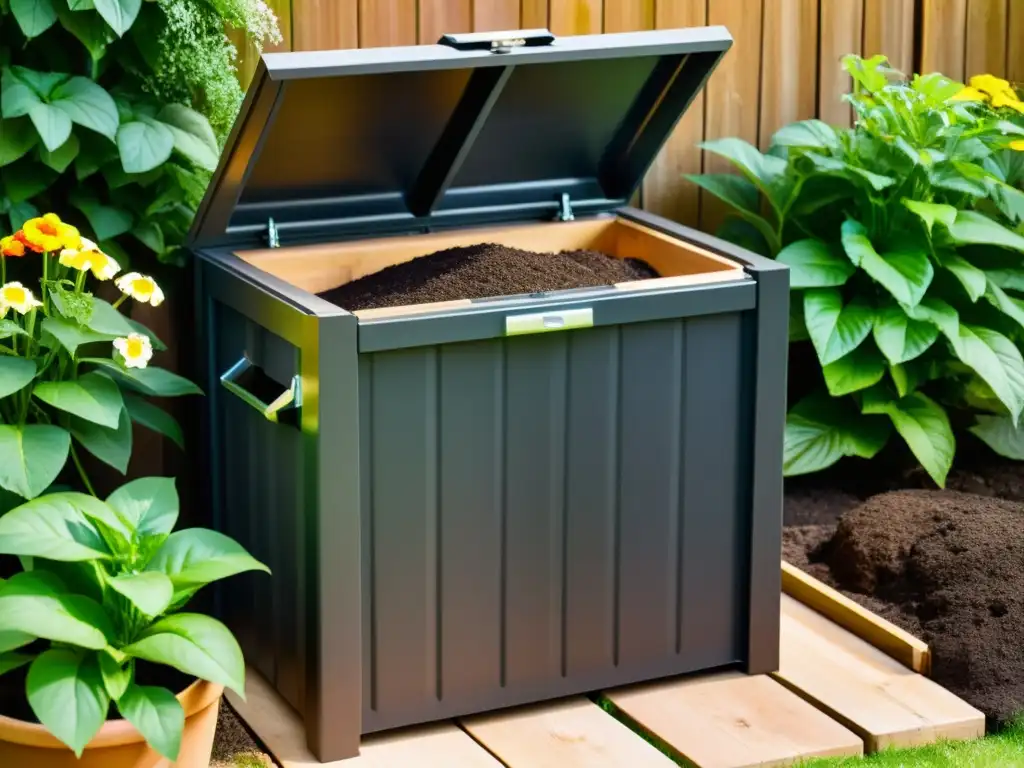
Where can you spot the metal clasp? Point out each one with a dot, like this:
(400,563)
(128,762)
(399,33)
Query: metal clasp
(565,209)
(273,238)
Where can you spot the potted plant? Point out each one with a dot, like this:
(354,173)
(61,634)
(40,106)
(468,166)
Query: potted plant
(95,622)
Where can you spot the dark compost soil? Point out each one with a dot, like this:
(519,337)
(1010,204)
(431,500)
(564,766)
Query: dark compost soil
(483,271)
(947,566)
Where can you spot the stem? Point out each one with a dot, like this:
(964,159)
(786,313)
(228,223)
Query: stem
(44,284)
(3,269)
(80,281)
(120,300)
(81,470)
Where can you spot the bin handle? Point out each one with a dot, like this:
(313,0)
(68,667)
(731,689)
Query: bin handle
(289,399)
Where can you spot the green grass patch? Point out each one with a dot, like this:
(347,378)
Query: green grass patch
(1001,750)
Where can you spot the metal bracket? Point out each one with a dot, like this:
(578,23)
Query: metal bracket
(273,238)
(565,209)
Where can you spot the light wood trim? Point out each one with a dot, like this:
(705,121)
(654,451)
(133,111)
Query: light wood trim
(887,637)
(411,309)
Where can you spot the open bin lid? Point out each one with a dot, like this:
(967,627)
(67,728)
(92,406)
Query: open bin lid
(483,128)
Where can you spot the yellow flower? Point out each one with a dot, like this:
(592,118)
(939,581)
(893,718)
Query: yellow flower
(993,86)
(969,94)
(141,288)
(1011,101)
(88,256)
(17,297)
(1017,145)
(48,233)
(136,350)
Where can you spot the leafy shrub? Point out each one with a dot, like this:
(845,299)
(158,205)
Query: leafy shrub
(99,111)
(904,239)
(105,590)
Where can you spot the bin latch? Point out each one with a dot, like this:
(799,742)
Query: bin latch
(255,388)
(273,237)
(498,42)
(565,208)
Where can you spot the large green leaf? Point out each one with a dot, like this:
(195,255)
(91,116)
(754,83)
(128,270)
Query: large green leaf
(820,431)
(972,227)
(924,426)
(17,136)
(119,14)
(34,16)
(930,213)
(15,374)
(997,361)
(940,314)
(71,335)
(156,382)
(971,278)
(107,320)
(193,136)
(860,369)
(901,338)
(149,503)
(157,715)
(807,134)
(66,693)
(767,172)
(53,126)
(11,640)
(742,195)
(1001,435)
(151,417)
(89,28)
(814,264)
(22,88)
(197,556)
(859,176)
(31,457)
(92,396)
(144,145)
(906,273)
(106,221)
(196,645)
(111,446)
(835,330)
(87,104)
(63,156)
(54,526)
(11,661)
(150,592)
(116,675)
(1010,278)
(30,602)
(1008,305)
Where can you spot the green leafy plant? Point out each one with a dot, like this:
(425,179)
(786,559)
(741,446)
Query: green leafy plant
(903,236)
(105,591)
(106,109)
(74,371)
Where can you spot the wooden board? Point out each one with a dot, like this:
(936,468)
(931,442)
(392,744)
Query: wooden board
(842,25)
(943,37)
(872,694)
(889,30)
(985,51)
(884,635)
(789,57)
(573,733)
(442,745)
(734,720)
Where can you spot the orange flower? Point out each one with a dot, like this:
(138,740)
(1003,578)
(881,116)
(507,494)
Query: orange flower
(20,237)
(48,233)
(12,246)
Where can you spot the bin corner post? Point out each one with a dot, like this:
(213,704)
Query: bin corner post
(767,420)
(330,426)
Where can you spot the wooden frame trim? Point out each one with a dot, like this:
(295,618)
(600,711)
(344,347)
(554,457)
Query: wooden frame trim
(884,635)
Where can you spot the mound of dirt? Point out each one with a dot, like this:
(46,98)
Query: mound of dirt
(949,568)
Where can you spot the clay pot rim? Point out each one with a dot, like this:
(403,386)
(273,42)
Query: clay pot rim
(114,733)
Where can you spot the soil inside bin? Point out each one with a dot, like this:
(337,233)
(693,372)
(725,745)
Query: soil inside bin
(484,271)
(945,565)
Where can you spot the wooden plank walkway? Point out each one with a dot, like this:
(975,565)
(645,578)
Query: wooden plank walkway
(834,694)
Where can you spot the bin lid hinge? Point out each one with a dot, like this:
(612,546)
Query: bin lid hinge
(273,238)
(565,208)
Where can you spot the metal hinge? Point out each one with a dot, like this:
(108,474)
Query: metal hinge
(565,209)
(273,239)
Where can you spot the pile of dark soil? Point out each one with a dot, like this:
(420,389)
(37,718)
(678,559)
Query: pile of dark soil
(483,271)
(947,567)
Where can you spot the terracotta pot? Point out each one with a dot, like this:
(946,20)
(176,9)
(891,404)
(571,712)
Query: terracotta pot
(118,744)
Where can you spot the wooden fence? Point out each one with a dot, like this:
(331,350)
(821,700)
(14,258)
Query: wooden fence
(783,66)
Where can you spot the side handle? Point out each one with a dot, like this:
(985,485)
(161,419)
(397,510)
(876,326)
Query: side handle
(253,386)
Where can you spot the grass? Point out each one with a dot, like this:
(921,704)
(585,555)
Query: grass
(1002,750)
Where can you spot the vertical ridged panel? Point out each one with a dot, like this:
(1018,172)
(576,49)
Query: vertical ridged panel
(713,524)
(535,395)
(472,444)
(591,478)
(652,391)
(404,485)
(367,531)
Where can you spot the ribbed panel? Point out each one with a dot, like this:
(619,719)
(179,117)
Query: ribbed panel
(546,513)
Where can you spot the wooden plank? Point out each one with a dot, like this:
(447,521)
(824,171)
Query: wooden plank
(734,720)
(838,608)
(842,25)
(889,30)
(325,25)
(943,34)
(441,17)
(986,37)
(534,14)
(789,52)
(576,17)
(496,15)
(665,191)
(628,15)
(280,728)
(283,10)
(572,732)
(1015,38)
(733,93)
(387,22)
(870,693)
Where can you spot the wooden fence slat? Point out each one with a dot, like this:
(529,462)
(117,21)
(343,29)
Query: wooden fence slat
(534,14)
(576,17)
(944,26)
(842,25)
(495,15)
(986,37)
(325,25)
(628,15)
(665,191)
(733,92)
(442,17)
(387,22)
(1015,38)
(789,56)
(283,10)
(889,30)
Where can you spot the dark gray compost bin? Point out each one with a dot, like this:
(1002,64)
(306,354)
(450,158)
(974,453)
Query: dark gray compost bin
(484,503)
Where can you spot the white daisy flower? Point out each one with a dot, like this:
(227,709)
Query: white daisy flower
(136,350)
